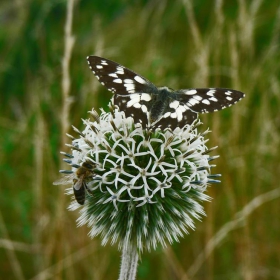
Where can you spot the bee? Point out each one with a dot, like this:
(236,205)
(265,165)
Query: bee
(79,179)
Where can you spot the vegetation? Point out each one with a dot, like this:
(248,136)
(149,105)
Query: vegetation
(180,44)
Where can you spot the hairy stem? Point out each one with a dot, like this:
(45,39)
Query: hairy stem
(129,263)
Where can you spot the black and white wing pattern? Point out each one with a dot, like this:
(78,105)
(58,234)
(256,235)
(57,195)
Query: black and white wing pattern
(158,107)
(126,86)
(207,100)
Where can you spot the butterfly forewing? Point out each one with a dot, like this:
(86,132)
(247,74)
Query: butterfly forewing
(117,78)
(158,107)
(206,100)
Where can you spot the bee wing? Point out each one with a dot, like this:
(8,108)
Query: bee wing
(67,179)
(78,184)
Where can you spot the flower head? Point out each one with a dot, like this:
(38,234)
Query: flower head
(136,186)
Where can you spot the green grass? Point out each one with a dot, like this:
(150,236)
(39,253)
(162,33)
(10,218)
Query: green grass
(172,44)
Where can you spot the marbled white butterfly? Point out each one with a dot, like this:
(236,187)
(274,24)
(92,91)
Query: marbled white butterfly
(158,107)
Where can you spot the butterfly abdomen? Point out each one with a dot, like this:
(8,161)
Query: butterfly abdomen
(157,110)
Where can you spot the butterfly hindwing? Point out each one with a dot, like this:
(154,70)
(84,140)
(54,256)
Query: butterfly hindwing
(167,121)
(137,113)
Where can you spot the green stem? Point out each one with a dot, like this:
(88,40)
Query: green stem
(129,263)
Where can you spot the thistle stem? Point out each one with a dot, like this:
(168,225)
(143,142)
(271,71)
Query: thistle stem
(129,263)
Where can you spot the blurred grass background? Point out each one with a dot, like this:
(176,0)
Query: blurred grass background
(180,44)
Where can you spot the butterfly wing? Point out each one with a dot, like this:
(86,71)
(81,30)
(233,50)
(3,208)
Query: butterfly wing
(187,103)
(173,120)
(131,91)
(206,100)
(117,78)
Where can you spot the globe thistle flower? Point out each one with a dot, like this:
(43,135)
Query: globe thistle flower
(137,187)
(142,184)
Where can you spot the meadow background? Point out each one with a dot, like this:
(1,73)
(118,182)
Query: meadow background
(46,85)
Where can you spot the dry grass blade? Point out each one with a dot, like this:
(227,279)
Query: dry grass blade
(177,268)
(231,225)
(65,263)
(192,22)
(15,264)
(66,80)
(19,246)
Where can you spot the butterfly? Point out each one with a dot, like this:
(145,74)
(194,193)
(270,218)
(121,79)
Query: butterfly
(158,107)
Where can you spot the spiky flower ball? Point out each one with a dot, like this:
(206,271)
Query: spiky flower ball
(138,187)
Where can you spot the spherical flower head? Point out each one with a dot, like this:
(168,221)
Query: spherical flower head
(135,186)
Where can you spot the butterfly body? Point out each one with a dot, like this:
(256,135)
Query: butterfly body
(159,104)
(158,107)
